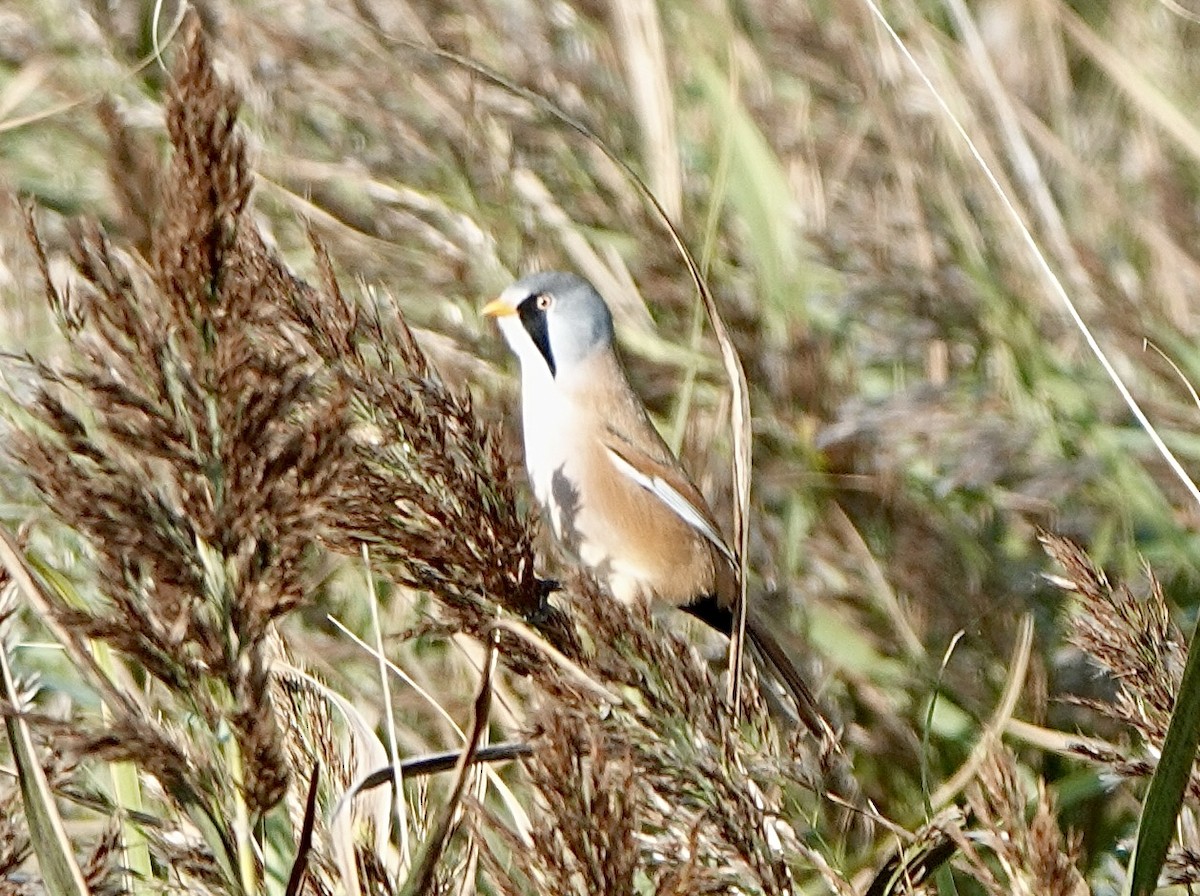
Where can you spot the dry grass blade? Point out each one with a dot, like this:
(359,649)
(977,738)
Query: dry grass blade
(1146,96)
(304,844)
(421,877)
(436,763)
(385,688)
(996,724)
(1024,162)
(572,670)
(640,29)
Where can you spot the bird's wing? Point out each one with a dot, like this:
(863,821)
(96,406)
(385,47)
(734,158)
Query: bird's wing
(669,484)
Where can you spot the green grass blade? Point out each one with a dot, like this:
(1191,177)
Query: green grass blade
(1156,828)
(127,794)
(55,858)
(126,785)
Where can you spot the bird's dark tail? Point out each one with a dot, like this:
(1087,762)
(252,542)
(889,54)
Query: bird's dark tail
(712,613)
(857,814)
(806,703)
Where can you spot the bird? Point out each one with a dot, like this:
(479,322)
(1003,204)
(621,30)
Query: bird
(616,498)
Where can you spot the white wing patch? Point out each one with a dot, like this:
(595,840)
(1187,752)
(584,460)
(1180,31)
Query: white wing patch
(679,505)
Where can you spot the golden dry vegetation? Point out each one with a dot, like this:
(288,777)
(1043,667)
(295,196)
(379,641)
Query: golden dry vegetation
(254,423)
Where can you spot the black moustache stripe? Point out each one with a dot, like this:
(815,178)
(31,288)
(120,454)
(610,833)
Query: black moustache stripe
(533,319)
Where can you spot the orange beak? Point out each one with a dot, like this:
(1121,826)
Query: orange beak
(497,308)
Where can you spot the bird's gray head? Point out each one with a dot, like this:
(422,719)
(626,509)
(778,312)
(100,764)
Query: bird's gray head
(553,319)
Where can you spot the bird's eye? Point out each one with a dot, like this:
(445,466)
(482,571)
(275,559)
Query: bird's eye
(544,301)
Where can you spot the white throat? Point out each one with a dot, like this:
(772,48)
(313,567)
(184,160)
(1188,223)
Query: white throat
(550,419)
(548,425)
